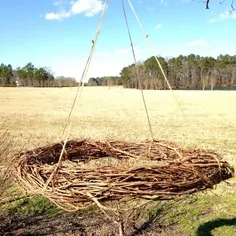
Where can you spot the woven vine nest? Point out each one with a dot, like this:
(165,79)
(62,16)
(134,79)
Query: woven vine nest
(108,171)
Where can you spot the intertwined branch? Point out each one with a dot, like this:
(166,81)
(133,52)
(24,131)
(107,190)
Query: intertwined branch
(105,171)
(207,2)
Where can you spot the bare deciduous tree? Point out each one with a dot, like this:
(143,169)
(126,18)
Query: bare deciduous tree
(207,2)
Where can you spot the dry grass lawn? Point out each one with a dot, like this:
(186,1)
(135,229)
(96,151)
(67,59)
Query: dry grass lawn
(36,116)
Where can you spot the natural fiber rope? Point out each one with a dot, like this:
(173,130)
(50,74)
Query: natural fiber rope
(136,70)
(158,62)
(68,124)
(85,71)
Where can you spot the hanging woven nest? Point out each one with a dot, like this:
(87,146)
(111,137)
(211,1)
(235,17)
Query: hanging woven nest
(108,171)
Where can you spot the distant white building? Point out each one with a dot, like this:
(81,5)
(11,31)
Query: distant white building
(18,82)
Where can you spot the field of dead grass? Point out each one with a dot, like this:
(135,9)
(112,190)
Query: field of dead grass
(39,115)
(203,119)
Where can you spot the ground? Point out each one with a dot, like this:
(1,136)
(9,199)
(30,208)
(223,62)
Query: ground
(204,119)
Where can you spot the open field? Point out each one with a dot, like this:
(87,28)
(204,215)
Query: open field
(209,118)
(203,119)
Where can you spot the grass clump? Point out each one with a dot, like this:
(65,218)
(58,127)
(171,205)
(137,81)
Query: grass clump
(36,206)
(6,150)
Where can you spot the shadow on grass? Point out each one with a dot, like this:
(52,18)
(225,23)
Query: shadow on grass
(147,224)
(33,217)
(41,225)
(206,228)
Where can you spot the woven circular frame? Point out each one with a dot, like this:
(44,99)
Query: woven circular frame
(113,170)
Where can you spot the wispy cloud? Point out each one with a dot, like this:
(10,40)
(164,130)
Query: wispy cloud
(121,51)
(198,42)
(224,16)
(164,2)
(57,16)
(59,3)
(75,7)
(102,54)
(158,26)
(150,9)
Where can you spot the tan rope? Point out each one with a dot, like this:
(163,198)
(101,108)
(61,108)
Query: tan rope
(158,62)
(68,124)
(136,70)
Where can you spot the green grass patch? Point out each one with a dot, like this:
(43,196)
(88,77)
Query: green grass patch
(36,206)
(25,206)
(202,214)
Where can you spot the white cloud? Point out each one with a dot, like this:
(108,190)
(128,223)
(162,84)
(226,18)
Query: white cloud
(165,2)
(121,51)
(57,16)
(224,16)
(102,53)
(58,3)
(86,7)
(158,26)
(150,9)
(101,66)
(198,42)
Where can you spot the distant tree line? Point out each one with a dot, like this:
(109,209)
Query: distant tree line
(183,72)
(62,81)
(105,81)
(31,76)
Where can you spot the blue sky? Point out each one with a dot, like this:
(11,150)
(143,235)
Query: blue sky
(58,33)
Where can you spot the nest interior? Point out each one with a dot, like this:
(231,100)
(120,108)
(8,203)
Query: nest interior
(108,171)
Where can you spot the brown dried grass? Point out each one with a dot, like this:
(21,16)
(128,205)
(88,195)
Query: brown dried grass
(6,149)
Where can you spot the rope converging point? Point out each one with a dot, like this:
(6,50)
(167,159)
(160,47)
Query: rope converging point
(136,70)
